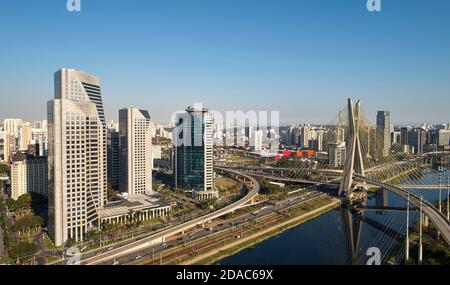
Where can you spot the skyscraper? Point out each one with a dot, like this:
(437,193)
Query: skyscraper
(193,144)
(25,135)
(77,155)
(28,175)
(305,136)
(417,138)
(6,146)
(135,151)
(113,157)
(337,154)
(12,126)
(404,136)
(258,140)
(443,138)
(384,132)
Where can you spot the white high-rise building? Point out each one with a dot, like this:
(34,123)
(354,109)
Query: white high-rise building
(12,126)
(28,175)
(337,154)
(258,140)
(25,135)
(77,155)
(444,138)
(135,151)
(305,136)
(39,136)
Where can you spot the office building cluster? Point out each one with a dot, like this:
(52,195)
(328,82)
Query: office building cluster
(72,156)
(83,148)
(378,140)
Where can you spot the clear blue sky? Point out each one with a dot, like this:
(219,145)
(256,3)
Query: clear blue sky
(301,57)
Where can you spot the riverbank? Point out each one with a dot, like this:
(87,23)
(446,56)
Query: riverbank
(229,249)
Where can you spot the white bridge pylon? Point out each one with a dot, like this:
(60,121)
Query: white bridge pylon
(354,159)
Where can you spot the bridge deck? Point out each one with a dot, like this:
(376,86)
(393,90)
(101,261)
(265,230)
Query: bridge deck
(437,218)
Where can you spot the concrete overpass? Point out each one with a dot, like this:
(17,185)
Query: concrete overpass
(162,235)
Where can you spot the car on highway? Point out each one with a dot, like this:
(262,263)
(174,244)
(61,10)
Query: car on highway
(138,256)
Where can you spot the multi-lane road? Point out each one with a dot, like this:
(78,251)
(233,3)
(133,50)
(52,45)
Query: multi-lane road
(187,241)
(157,238)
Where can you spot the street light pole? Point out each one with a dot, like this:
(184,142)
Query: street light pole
(407,229)
(440,191)
(420,232)
(448,198)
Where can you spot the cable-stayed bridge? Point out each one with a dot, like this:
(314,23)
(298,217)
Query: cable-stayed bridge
(368,161)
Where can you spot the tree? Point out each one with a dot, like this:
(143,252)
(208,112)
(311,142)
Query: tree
(22,249)
(112,193)
(24,201)
(93,236)
(268,188)
(28,223)
(10,203)
(4,168)
(70,242)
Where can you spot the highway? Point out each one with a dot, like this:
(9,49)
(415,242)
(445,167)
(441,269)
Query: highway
(187,241)
(159,237)
(437,218)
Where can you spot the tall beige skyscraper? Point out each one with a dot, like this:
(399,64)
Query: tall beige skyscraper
(77,155)
(384,132)
(6,146)
(25,135)
(135,145)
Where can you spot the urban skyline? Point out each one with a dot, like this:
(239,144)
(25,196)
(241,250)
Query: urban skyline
(75,148)
(253,57)
(185,133)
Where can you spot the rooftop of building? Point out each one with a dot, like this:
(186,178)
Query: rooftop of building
(20,156)
(132,203)
(191,109)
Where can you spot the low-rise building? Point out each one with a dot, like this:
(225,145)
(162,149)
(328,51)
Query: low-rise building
(136,207)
